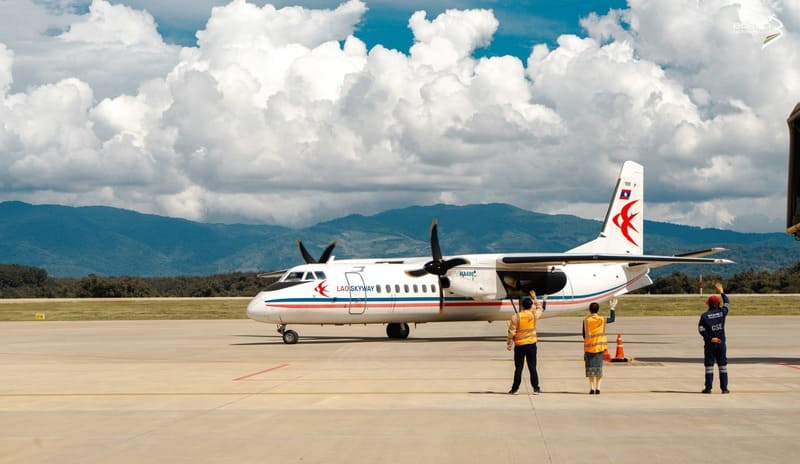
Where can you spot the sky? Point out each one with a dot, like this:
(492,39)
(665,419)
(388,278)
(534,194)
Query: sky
(292,113)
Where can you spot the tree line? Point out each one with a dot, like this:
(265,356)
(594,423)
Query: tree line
(18,281)
(30,282)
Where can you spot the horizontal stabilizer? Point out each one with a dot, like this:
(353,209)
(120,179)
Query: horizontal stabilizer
(510,262)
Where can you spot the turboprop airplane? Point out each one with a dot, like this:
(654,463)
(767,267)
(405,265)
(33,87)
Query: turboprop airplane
(470,287)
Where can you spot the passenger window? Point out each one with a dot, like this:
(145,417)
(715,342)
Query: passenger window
(396,288)
(416,289)
(388,288)
(405,287)
(433,288)
(424,288)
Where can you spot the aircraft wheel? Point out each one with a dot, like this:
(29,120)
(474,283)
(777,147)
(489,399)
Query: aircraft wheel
(397,330)
(404,331)
(391,330)
(290,337)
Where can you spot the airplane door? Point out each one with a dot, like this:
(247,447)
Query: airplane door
(358,293)
(567,292)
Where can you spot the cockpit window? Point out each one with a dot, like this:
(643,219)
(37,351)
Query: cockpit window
(295,276)
(301,276)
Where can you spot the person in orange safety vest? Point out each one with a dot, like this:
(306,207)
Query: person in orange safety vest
(595,343)
(522,337)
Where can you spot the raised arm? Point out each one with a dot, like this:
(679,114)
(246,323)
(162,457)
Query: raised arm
(613,316)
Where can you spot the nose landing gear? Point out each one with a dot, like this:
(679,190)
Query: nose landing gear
(290,337)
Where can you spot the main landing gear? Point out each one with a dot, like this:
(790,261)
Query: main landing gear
(397,330)
(394,330)
(290,337)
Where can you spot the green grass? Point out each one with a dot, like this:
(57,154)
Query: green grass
(694,305)
(234,308)
(124,309)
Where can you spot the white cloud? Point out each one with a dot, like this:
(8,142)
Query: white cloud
(6,59)
(282,115)
(112,24)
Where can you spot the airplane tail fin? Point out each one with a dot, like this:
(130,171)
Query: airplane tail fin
(623,227)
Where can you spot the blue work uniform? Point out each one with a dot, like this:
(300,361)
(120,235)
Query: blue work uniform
(712,325)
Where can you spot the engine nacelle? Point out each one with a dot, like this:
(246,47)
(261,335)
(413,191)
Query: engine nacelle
(478,285)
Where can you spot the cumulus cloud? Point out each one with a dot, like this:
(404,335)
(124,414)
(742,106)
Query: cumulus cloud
(282,115)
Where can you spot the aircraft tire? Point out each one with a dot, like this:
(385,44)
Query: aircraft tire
(391,330)
(290,337)
(404,331)
(397,330)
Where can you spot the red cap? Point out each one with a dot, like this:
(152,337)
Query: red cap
(713,301)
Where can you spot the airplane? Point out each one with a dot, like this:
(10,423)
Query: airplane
(470,287)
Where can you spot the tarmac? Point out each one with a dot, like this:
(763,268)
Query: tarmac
(232,392)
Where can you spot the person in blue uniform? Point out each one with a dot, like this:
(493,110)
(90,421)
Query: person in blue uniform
(712,329)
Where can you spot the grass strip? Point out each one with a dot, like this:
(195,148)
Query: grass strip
(234,308)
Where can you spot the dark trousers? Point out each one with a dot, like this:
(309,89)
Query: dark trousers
(716,353)
(524,353)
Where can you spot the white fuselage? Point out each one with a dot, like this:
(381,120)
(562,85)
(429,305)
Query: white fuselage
(379,291)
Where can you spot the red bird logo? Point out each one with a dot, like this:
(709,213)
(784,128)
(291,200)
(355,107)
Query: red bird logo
(623,221)
(322,288)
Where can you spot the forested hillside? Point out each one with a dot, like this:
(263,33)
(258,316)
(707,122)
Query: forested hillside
(78,242)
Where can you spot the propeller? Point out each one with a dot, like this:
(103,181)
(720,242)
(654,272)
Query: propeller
(438,266)
(326,255)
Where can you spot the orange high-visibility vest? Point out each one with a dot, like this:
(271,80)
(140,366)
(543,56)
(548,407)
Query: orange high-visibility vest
(526,329)
(594,328)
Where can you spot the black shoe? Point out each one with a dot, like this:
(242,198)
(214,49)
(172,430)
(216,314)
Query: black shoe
(725,392)
(512,392)
(597,392)
(591,392)
(536,390)
(706,391)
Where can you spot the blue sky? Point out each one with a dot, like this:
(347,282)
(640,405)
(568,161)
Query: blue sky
(277,115)
(522,23)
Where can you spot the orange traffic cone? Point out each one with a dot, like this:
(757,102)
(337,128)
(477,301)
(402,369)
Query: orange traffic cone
(620,357)
(606,355)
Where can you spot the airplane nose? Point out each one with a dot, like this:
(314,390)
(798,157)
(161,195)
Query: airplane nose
(257,309)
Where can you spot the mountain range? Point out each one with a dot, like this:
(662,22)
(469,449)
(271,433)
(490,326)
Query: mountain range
(78,241)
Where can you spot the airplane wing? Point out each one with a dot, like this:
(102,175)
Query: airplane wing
(516,262)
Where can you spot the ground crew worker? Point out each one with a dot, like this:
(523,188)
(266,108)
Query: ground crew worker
(595,343)
(712,329)
(522,336)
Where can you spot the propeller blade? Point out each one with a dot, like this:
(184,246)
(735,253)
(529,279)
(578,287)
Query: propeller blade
(416,272)
(306,255)
(435,250)
(326,255)
(437,266)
